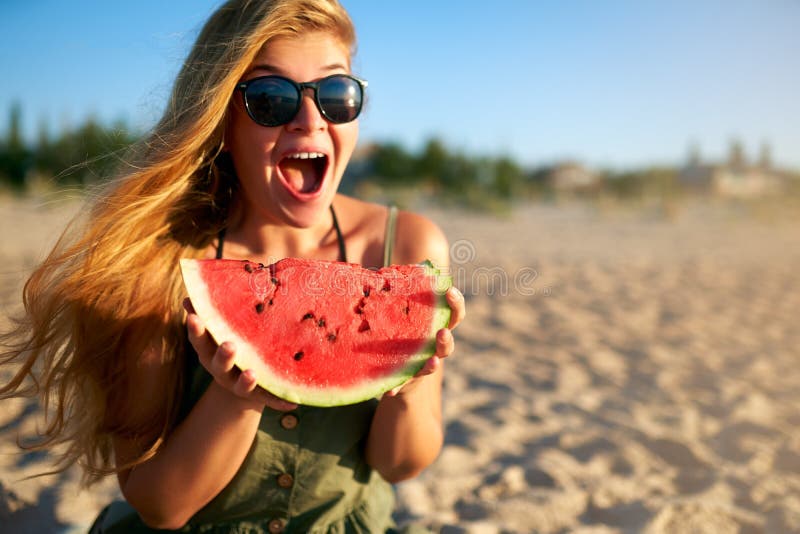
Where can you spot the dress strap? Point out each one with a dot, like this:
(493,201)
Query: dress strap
(389,235)
(220,242)
(339,237)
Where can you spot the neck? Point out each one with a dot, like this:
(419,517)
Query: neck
(268,241)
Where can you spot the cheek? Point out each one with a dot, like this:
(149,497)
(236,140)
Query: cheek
(346,136)
(250,145)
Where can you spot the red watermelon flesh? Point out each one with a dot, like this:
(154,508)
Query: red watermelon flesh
(322,333)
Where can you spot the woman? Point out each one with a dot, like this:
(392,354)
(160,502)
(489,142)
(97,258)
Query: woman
(244,164)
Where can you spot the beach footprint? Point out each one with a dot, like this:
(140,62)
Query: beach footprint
(693,474)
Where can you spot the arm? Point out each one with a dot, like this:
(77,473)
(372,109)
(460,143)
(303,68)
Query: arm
(406,433)
(204,452)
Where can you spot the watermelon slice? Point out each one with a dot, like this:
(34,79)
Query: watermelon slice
(322,333)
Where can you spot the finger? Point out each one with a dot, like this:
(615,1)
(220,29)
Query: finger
(445,344)
(202,342)
(455,299)
(245,384)
(394,391)
(222,362)
(430,366)
(276,403)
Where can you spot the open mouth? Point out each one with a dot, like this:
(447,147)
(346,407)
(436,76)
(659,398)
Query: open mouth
(304,172)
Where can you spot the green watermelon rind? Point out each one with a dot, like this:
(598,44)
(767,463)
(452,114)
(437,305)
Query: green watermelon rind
(247,356)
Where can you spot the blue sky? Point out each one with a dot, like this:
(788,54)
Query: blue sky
(611,83)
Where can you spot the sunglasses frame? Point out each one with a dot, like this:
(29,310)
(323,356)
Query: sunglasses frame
(301,87)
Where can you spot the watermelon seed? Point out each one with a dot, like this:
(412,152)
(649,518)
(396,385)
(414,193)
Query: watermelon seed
(309,315)
(248,267)
(260,265)
(364,326)
(406,309)
(259,307)
(275,281)
(298,356)
(366,291)
(331,337)
(321,322)
(386,286)
(270,302)
(360,306)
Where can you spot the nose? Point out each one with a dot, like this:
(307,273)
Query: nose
(309,118)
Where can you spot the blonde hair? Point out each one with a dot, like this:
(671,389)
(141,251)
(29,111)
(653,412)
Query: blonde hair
(111,289)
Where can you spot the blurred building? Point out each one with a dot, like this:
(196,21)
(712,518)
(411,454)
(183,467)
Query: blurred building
(736,177)
(572,176)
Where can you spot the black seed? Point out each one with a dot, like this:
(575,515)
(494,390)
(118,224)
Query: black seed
(321,322)
(366,291)
(309,315)
(331,337)
(386,286)
(364,326)
(269,302)
(275,281)
(248,267)
(298,356)
(260,265)
(260,307)
(360,306)
(406,310)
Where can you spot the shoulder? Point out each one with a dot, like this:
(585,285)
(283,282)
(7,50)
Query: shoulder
(418,239)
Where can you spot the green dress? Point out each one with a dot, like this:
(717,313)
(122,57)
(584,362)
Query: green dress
(305,471)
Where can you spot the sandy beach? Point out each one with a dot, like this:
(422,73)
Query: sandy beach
(620,370)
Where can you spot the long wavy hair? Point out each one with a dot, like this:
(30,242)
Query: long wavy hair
(111,287)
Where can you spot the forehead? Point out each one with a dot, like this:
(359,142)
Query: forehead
(313,49)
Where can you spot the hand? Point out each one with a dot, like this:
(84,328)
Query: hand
(445,344)
(218,360)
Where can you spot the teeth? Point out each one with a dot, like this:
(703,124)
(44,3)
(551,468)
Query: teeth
(306,155)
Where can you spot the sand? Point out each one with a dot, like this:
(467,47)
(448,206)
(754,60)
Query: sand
(620,370)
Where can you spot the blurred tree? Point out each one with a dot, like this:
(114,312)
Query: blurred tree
(507,178)
(83,155)
(432,164)
(87,154)
(392,164)
(15,158)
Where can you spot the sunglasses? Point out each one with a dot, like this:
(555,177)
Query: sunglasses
(275,100)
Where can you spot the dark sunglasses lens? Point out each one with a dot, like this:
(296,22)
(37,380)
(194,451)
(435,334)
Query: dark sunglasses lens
(272,101)
(340,98)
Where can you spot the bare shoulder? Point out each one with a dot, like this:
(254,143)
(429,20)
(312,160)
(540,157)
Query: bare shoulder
(418,239)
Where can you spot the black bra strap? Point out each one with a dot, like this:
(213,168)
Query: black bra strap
(220,241)
(339,239)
